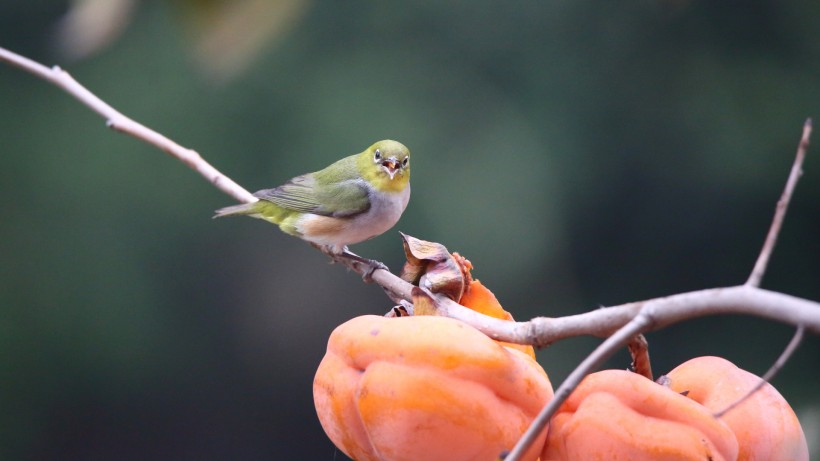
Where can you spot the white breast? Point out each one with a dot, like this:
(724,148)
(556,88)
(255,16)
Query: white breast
(385,210)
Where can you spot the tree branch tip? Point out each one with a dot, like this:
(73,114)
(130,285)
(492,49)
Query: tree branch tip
(771,373)
(808,123)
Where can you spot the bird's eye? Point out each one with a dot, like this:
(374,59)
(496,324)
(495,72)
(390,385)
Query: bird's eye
(377,155)
(405,161)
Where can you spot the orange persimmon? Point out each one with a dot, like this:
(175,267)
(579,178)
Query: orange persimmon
(425,388)
(616,414)
(764,424)
(620,415)
(480,299)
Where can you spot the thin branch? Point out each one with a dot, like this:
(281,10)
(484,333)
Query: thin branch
(746,300)
(672,309)
(640,323)
(396,288)
(776,367)
(119,122)
(543,331)
(782,205)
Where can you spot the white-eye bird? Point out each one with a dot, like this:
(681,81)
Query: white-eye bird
(352,200)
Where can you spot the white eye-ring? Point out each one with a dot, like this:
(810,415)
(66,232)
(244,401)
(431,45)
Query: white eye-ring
(377,155)
(405,161)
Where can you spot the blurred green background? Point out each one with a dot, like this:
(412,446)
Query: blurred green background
(578,153)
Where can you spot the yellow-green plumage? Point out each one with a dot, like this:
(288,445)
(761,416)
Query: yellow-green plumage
(352,200)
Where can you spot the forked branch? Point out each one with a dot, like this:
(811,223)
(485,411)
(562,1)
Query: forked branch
(650,313)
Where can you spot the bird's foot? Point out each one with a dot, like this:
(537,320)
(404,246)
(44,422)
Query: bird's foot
(372,264)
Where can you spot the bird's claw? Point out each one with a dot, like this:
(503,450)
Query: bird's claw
(372,266)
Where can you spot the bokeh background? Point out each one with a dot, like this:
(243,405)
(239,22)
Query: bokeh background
(579,153)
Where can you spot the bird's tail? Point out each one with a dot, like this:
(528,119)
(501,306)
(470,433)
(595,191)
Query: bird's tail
(236,210)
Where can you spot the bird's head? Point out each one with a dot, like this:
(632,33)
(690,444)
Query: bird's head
(387,164)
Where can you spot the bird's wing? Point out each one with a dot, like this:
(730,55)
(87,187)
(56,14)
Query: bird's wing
(341,199)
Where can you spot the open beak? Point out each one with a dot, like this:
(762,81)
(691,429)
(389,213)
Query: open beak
(391,166)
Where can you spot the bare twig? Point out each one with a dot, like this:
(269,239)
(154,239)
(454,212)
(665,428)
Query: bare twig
(782,205)
(543,331)
(119,122)
(640,323)
(776,367)
(733,300)
(396,288)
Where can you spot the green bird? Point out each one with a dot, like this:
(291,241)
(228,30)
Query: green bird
(352,200)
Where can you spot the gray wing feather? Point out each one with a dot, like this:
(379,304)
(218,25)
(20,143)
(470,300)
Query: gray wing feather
(345,199)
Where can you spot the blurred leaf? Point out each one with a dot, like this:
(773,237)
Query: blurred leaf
(229,35)
(226,36)
(89,26)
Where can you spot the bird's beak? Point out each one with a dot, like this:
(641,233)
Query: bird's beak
(391,166)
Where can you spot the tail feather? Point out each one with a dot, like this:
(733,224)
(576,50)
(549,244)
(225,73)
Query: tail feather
(236,210)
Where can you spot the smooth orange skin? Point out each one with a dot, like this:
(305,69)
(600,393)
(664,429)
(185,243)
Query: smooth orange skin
(425,388)
(765,425)
(619,415)
(480,299)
